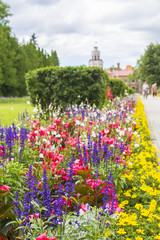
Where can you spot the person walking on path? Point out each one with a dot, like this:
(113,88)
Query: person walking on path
(145,90)
(154,89)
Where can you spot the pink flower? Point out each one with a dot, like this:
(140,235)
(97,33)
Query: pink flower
(94,183)
(127,150)
(43,236)
(118,209)
(4,187)
(84,207)
(34,216)
(53,238)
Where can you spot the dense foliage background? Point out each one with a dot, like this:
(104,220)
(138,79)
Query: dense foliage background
(18,58)
(149,64)
(119,88)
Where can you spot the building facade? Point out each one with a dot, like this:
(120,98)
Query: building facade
(123,74)
(95,61)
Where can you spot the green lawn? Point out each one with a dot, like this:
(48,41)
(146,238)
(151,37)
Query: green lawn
(10,109)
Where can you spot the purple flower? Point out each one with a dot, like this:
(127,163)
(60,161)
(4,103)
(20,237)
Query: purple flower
(122,147)
(46,193)
(17,210)
(1,133)
(23,136)
(31,194)
(95,155)
(69,185)
(58,205)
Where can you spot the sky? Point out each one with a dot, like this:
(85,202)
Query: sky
(121,29)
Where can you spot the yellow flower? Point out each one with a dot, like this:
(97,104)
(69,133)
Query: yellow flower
(138,206)
(107,234)
(127,193)
(140,231)
(121,231)
(138,238)
(121,205)
(144,212)
(134,196)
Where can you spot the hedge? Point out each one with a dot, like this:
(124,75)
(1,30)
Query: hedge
(118,87)
(61,86)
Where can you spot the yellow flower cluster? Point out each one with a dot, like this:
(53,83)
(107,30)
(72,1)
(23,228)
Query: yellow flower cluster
(140,200)
(127,219)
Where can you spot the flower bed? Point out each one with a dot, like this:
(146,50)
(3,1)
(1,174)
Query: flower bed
(140,199)
(85,174)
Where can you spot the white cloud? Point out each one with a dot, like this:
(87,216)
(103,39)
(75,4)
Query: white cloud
(122,29)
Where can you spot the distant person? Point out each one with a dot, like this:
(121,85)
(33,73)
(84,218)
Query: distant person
(154,89)
(145,90)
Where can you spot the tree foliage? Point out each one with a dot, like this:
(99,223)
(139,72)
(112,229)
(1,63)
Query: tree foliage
(4,13)
(16,59)
(149,64)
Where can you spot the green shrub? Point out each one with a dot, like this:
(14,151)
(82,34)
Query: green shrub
(61,86)
(118,87)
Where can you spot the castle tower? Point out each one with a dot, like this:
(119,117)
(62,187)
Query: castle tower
(95,61)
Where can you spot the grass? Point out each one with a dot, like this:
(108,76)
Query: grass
(11,109)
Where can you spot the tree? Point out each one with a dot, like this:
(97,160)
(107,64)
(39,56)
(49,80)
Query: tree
(34,39)
(149,64)
(17,59)
(4,13)
(53,59)
(8,77)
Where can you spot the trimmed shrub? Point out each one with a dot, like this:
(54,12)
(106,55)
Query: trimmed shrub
(61,86)
(118,87)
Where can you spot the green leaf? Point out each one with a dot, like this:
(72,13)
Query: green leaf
(3,193)
(84,173)
(83,189)
(5,208)
(87,199)
(7,215)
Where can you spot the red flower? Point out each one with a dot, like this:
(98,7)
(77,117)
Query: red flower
(109,94)
(4,187)
(43,236)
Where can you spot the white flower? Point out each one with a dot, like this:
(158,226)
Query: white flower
(93,134)
(35,110)
(53,148)
(41,155)
(136,145)
(121,133)
(45,140)
(28,102)
(58,136)
(135,133)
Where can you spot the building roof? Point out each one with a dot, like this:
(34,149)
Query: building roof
(119,72)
